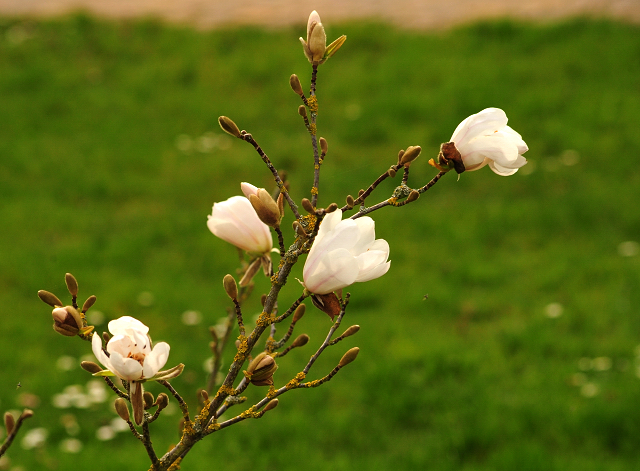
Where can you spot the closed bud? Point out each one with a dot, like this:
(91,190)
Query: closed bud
(106,337)
(400,154)
(360,193)
(272,404)
(331,208)
(392,172)
(88,303)
(294,81)
(230,286)
(261,369)
(299,229)
(308,207)
(9,422)
(324,147)
(263,299)
(204,395)
(410,154)
(349,357)
(414,195)
(350,331)
(300,341)
(66,321)
(148,400)
(49,298)
(299,312)
(122,409)
(302,111)
(229,126)
(26,414)
(90,366)
(72,284)
(350,201)
(162,401)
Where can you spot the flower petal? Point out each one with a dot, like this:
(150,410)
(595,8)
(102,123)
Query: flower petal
(155,360)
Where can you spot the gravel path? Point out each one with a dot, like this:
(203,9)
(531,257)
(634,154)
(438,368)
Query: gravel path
(417,14)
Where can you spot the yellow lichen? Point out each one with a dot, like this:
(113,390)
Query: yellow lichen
(312,103)
(314,190)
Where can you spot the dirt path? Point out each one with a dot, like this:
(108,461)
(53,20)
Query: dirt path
(419,14)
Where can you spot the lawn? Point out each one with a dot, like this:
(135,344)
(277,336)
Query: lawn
(524,355)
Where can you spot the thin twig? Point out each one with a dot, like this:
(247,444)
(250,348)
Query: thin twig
(183,405)
(245,136)
(16,428)
(146,441)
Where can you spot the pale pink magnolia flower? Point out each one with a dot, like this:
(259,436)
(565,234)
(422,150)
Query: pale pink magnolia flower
(236,222)
(485,139)
(131,356)
(344,252)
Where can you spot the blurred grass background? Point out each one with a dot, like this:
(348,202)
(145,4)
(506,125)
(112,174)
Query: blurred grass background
(524,355)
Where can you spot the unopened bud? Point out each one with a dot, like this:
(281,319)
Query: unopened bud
(106,337)
(300,341)
(414,195)
(349,357)
(9,422)
(299,312)
(88,303)
(229,126)
(230,286)
(360,193)
(392,172)
(263,299)
(294,81)
(324,147)
(302,111)
(299,229)
(308,207)
(72,284)
(148,400)
(261,369)
(122,409)
(204,395)
(272,404)
(400,154)
(162,401)
(350,201)
(350,331)
(26,414)
(410,154)
(331,208)
(49,298)
(90,366)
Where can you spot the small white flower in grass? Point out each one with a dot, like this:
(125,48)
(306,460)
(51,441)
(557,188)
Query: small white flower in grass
(485,139)
(344,252)
(553,310)
(235,221)
(34,438)
(130,356)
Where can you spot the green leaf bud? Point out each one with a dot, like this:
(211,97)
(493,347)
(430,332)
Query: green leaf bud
(49,298)
(230,286)
(294,82)
(72,284)
(229,126)
(299,312)
(300,341)
(88,303)
(349,356)
(272,404)
(122,409)
(350,331)
(410,154)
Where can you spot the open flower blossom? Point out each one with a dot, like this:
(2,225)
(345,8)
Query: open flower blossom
(236,222)
(131,356)
(344,252)
(485,139)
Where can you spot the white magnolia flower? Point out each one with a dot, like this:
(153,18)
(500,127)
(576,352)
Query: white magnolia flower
(344,252)
(131,356)
(484,138)
(236,222)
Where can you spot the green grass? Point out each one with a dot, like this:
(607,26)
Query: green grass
(110,160)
